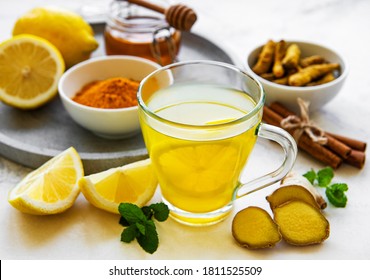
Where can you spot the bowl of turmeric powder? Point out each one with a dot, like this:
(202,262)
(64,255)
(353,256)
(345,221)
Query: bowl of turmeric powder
(99,94)
(289,70)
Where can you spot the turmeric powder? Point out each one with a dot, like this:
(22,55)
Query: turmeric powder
(111,93)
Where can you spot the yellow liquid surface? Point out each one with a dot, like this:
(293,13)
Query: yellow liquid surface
(199,175)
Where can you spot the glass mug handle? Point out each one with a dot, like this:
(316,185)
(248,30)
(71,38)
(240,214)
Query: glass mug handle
(286,141)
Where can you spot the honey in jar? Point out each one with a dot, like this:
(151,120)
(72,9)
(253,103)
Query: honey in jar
(133,30)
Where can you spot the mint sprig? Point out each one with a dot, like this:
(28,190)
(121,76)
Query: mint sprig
(334,192)
(139,224)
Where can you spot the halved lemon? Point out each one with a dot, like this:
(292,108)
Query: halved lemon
(50,189)
(30,68)
(133,183)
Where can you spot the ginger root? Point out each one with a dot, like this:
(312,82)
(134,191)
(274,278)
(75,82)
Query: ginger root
(254,228)
(265,58)
(296,187)
(301,224)
(310,73)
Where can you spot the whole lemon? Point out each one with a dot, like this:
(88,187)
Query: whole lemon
(66,30)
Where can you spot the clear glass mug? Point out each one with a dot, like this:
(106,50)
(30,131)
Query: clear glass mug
(200,121)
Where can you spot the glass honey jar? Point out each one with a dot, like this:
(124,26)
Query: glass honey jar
(137,31)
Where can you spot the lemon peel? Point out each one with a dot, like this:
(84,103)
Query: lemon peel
(67,30)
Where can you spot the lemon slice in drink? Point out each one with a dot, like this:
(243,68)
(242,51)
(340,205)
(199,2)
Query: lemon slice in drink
(200,168)
(50,189)
(30,68)
(133,183)
(198,177)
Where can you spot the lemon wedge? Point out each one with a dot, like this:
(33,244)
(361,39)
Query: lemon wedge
(50,189)
(30,68)
(133,183)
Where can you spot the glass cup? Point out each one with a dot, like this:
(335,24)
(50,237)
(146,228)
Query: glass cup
(200,121)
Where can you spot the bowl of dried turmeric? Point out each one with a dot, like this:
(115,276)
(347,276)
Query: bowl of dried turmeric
(99,94)
(289,70)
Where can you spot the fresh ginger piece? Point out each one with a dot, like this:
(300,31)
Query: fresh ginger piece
(310,73)
(288,193)
(265,58)
(292,57)
(301,224)
(254,228)
(296,187)
(277,67)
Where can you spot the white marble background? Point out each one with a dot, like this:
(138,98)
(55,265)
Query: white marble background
(84,232)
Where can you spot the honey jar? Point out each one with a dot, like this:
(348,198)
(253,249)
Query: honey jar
(134,30)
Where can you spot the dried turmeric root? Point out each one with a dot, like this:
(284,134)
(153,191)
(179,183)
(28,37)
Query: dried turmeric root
(265,58)
(301,224)
(326,79)
(277,67)
(310,73)
(292,57)
(296,187)
(281,81)
(311,60)
(254,228)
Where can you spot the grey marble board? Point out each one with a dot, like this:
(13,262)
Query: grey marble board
(32,137)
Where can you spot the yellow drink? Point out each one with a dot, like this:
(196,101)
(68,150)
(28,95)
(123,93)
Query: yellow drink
(199,159)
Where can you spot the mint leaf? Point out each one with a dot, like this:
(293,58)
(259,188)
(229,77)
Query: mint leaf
(340,187)
(141,228)
(324,176)
(123,222)
(311,176)
(129,234)
(161,211)
(147,212)
(149,242)
(131,212)
(140,225)
(335,194)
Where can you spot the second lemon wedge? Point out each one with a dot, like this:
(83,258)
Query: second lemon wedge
(50,189)
(134,183)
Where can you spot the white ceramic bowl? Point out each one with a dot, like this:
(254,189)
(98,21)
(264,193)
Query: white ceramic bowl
(318,95)
(107,123)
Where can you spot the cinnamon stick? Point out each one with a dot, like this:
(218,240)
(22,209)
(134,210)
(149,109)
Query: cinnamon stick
(353,143)
(350,150)
(356,158)
(333,143)
(305,143)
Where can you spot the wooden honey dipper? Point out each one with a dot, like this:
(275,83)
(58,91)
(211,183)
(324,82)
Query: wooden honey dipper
(178,16)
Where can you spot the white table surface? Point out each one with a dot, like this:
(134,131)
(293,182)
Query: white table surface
(84,232)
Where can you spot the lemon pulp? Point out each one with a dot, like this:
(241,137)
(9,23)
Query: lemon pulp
(30,68)
(50,189)
(132,183)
